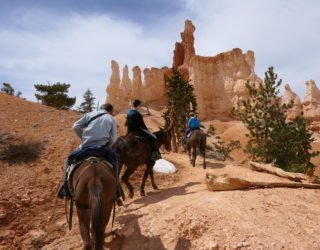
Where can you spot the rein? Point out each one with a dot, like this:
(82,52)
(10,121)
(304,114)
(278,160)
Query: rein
(69,219)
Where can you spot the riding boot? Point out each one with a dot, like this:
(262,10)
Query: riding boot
(155,155)
(64,192)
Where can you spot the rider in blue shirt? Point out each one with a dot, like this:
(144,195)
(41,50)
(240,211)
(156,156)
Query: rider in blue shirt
(193,124)
(97,131)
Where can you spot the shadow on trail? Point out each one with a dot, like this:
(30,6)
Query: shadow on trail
(130,237)
(161,195)
(215,165)
(183,244)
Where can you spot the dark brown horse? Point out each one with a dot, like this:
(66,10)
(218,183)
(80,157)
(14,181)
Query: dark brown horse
(94,189)
(197,140)
(135,151)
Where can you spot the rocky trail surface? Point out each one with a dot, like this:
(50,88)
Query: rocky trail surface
(182,214)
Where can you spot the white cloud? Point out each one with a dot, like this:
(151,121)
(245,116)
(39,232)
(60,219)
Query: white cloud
(282,34)
(78,50)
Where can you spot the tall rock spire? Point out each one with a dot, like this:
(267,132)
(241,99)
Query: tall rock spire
(184,50)
(113,88)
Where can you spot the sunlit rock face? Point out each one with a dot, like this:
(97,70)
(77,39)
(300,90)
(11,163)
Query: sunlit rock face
(149,86)
(311,102)
(290,97)
(219,81)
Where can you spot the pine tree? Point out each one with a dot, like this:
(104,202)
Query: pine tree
(19,93)
(271,137)
(180,102)
(55,95)
(88,104)
(7,88)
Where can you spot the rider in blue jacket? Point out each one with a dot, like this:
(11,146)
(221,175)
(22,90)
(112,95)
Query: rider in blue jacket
(193,124)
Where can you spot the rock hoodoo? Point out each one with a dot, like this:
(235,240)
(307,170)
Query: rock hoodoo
(288,97)
(311,102)
(219,81)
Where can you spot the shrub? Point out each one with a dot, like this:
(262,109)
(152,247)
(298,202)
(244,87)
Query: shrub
(221,150)
(211,131)
(24,151)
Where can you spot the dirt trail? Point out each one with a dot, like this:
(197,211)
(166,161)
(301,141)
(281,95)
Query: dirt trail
(181,215)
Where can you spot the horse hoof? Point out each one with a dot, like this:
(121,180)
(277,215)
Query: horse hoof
(142,194)
(155,187)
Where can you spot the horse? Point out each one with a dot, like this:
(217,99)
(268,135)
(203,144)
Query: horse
(134,151)
(93,187)
(198,139)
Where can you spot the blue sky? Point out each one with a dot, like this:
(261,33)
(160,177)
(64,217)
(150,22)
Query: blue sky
(74,41)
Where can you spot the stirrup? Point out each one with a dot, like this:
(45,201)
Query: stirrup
(63,193)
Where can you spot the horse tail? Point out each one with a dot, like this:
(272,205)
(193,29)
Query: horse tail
(97,215)
(202,144)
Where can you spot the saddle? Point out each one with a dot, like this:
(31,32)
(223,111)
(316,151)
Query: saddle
(191,132)
(90,159)
(137,136)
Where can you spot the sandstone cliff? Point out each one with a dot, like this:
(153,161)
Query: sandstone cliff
(288,97)
(149,86)
(311,102)
(219,81)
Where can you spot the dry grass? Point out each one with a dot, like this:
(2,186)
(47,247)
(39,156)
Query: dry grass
(23,151)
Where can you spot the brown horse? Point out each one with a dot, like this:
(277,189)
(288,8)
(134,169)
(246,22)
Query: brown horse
(93,185)
(198,139)
(135,151)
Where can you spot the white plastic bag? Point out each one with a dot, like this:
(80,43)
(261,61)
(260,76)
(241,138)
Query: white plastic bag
(165,167)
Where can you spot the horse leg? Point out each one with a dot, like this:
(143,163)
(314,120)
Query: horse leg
(194,156)
(154,185)
(189,152)
(144,178)
(125,178)
(84,224)
(204,159)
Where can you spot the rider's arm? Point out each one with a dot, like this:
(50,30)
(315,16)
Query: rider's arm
(141,122)
(188,124)
(79,125)
(113,131)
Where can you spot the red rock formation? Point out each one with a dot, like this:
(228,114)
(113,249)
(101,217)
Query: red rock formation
(219,81)
(178,55)
(154,85)
(113,88)
(136,82)
(311,102)
(184,50)
(288,97)
(151,90)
